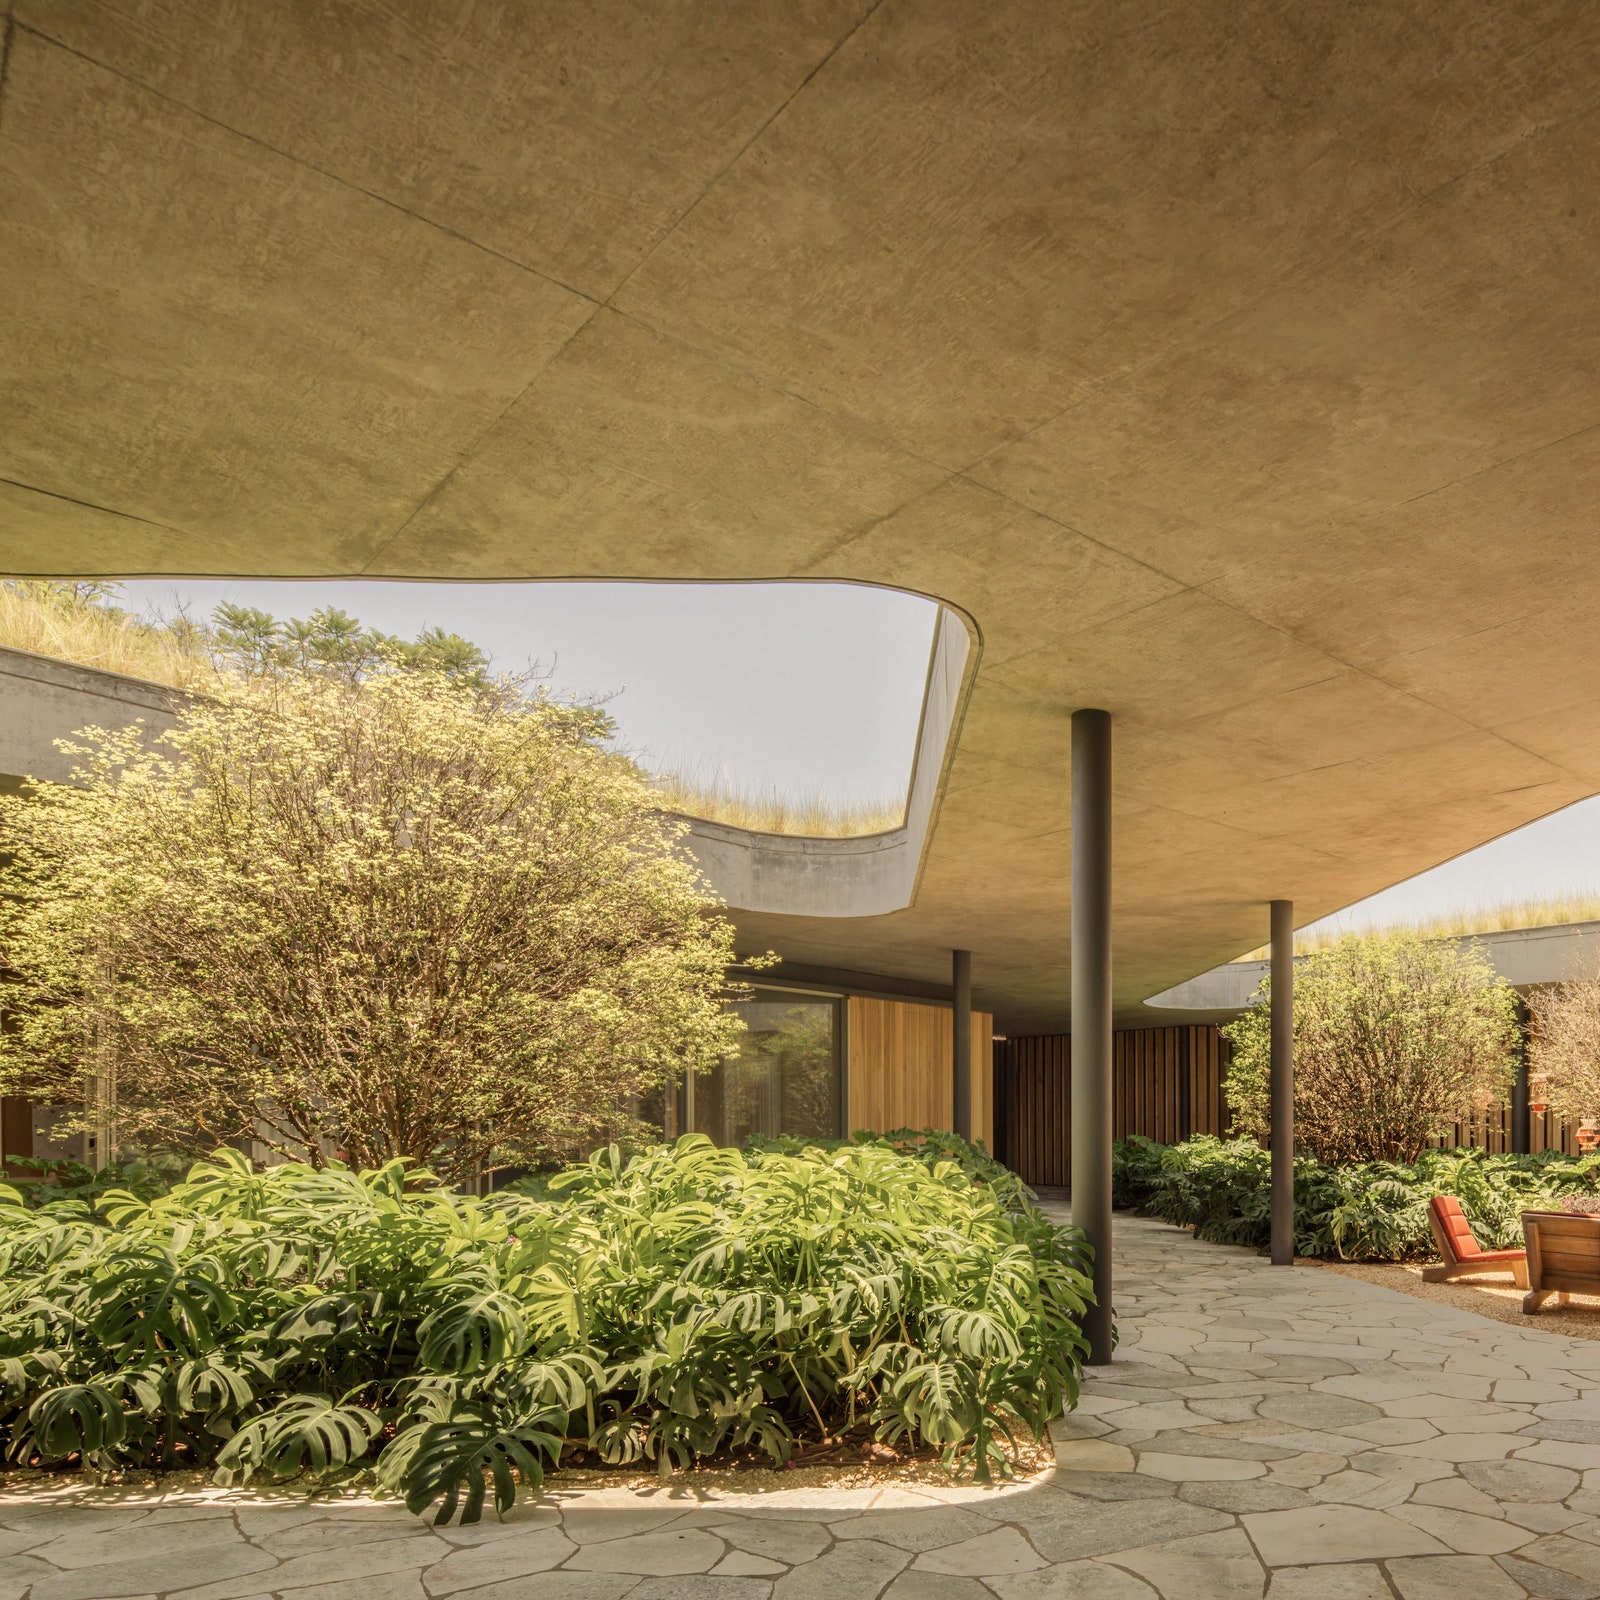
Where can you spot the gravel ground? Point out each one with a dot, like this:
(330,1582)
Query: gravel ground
(1491,1298)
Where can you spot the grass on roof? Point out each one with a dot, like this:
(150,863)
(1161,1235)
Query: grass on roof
(56,619)
(48,620)
(814,815)
(1498,917)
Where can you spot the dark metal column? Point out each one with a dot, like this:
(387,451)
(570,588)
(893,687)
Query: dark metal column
(1282,1083)
(1521,1089)
(1091,1009)
(961,1040)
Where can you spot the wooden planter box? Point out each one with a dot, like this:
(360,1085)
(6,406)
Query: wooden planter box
(1563,1256)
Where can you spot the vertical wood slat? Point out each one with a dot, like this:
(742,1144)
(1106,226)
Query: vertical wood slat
(1033,1106)
(983,1079)
(901,1065)
(1156,1074)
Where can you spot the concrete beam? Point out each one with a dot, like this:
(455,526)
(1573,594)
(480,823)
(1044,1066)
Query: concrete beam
(961,1041)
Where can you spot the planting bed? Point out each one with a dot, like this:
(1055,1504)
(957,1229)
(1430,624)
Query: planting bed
(694,1304)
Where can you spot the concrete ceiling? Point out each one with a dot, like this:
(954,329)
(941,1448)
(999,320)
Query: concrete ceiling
(1233,367)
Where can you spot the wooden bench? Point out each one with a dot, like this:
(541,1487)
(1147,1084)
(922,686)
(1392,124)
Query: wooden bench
(1459,1251)
(1563,1256)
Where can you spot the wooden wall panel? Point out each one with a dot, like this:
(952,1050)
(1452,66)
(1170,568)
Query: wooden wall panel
(899,1056)
(983,1079)
(16,1128)
(1166,1083)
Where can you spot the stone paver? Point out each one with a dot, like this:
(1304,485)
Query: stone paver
(1264,1434)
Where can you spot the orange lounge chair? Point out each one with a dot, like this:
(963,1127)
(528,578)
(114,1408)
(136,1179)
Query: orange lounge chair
(1459,1251)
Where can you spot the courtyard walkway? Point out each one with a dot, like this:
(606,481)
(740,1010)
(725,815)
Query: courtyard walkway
(1279,1433)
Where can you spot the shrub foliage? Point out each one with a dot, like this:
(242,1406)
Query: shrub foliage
(1565,1056)
(1364,1211)
(1395,1038)
(693,1300)
(400,916)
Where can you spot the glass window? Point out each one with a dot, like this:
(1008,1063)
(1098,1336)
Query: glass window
(784,1078)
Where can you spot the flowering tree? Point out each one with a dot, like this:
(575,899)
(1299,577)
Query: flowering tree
(1565,1055)
(402,915)
(1395,1038)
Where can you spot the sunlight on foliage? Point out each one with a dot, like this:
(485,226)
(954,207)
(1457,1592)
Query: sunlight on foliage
(1364,1211)
(288,1322)
(1395,1039)
(406,916)
(1565,1047)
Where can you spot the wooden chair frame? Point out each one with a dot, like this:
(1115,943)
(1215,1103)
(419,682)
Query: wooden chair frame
(1563,1256)
(1489,1263)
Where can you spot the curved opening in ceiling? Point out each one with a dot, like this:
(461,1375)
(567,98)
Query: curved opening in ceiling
(1534,879)
(784,707)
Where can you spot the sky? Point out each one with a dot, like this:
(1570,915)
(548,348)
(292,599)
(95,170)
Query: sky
(1553,858)
(789,688)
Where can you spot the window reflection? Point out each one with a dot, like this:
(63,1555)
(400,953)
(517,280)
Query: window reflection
(784,1078)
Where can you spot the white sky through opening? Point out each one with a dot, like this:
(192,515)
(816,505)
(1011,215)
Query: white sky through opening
(1555,858)
(790,689)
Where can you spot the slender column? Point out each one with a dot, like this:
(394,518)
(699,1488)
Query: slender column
(1282,1083)
(961,1040)
(1091,1009)
(1521,1117)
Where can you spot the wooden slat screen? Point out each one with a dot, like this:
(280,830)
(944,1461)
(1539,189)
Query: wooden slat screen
(1167,1083)
(900,1066)
(1032,1110)
(1491,1131)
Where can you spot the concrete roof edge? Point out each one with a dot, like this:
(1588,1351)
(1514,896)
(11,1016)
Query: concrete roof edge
(75,676)
(869,876)
(1524,957)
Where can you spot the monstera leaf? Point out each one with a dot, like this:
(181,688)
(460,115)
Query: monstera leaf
(306,1432)
(444,1461)
(85,1419)
(480,1330)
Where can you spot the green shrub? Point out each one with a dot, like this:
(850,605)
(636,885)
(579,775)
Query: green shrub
(1396,1037)
(686,1302)
(1365,1211)
(927,1145)
(45,1182)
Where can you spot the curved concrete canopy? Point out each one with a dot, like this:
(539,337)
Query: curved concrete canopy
(1232,367)
(1524,957)
(783,875)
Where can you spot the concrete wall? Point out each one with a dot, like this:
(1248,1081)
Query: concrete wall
(865,877)
(1522,956)
(43,700)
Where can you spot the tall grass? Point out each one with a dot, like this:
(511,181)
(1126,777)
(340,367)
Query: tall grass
(810,814)
(1502,916)
(65,621)
(55,620)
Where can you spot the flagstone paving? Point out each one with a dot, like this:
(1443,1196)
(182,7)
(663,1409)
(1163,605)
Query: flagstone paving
(1264,1434)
